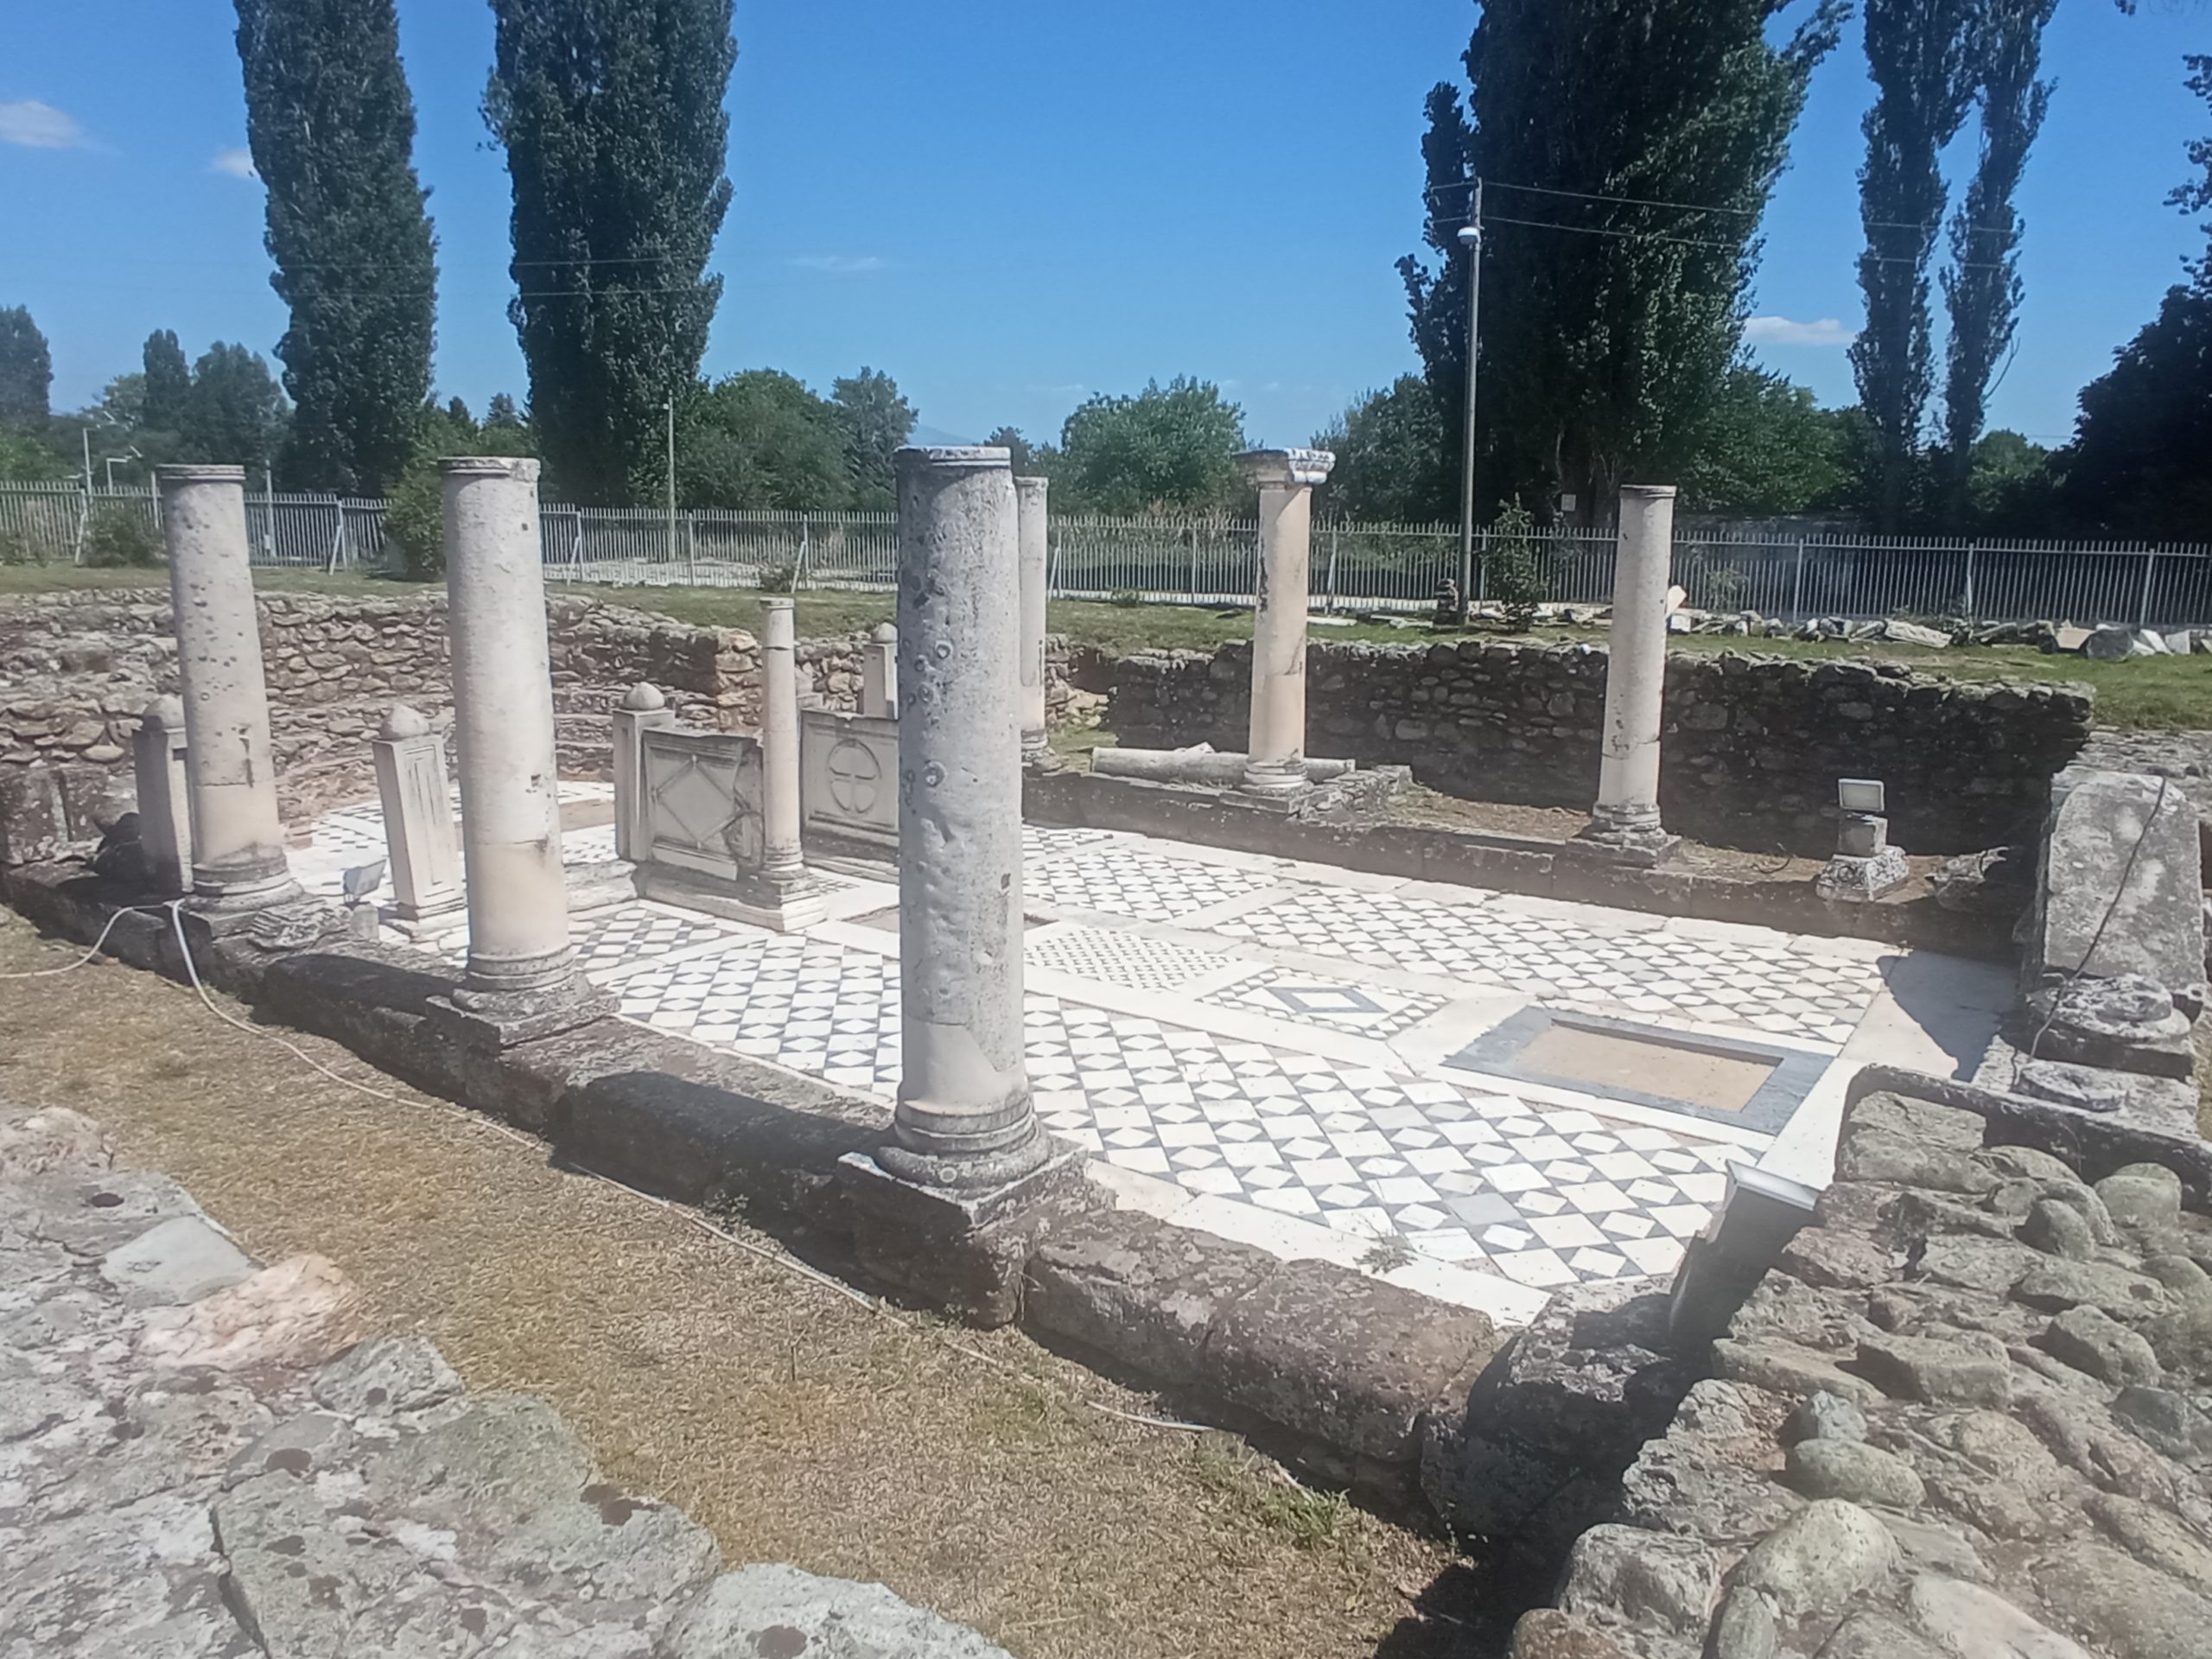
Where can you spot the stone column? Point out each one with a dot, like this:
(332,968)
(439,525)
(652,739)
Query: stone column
(164,801)
(1624,824)
(522,980)
(964,1116)
(238,860)
(1276,762)
(1035,543)
(418,831)
(643,709)
(879,674)
(781,860)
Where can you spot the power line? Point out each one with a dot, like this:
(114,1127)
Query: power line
(1703,207)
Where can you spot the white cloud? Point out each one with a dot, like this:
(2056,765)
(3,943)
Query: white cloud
(234,161)
(40,126)
(1782,330)
(840,264)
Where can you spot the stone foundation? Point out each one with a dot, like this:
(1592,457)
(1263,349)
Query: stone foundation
(1753,744)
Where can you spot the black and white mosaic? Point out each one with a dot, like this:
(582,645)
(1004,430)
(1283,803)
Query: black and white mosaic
(1120,880)
(1362,1009)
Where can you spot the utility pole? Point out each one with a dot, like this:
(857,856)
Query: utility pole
(1470,238)
(671,480)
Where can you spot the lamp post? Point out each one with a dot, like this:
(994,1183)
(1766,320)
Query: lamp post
(1470,238)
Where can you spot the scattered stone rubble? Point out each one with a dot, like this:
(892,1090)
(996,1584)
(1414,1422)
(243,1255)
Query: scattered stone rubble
(1966,1415)
(202,1457)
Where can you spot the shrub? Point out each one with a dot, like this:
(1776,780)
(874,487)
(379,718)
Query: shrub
(121,536)
(779,578)
(1519,566)
(1128,598)
(20,547)
(415,522)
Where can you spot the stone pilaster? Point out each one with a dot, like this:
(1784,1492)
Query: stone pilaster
(880,673)
(158,760)
(238,861)
(1625,825)
(1276,763)
(643,709)
(420,840)
(522,980)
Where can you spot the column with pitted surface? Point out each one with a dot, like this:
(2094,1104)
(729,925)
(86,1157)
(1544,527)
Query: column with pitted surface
(969,1163)
(1275,756)
(1035,542)
(522,980)
(238,862)
(1625,825)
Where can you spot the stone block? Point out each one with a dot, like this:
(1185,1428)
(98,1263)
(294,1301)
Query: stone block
(781,1611)
(1969,1369)
(180,1260)
(1137,1289)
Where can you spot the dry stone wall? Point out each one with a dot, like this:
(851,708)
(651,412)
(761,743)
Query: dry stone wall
(1964,1415)
(76,671)
(1754,744)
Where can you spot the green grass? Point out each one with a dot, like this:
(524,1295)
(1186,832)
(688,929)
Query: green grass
(2146,693)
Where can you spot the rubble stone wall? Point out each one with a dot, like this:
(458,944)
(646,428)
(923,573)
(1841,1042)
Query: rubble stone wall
(76,671)
(1754,744)
(1965,1413)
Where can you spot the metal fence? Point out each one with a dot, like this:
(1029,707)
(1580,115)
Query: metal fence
(1213,560)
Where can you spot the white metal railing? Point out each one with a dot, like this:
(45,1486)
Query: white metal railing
(1213,560)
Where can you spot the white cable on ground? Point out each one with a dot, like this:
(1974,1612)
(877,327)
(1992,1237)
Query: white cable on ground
(98,944)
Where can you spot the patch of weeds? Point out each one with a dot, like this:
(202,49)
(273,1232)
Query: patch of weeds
(1018,1415)
(167,1068)
(1387,1253)
(1303,1517)
(729,1209)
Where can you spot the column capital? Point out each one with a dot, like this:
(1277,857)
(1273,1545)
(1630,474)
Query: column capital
(1287,469)
(1650,492)
(913,456)
(1032,485)
(170,473)
(520,468)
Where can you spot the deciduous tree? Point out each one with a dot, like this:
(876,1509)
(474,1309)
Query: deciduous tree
(611,113)
(1767,448)
(1628,148)
(1390,462)
(1168,448)
(168,382)
(236,413)
(876,421)
(332,125)
(761,439)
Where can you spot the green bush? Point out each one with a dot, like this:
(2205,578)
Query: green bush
(415,522)
(1519,566)
(20,547)
(119,537)
(779,578)
(1128,598)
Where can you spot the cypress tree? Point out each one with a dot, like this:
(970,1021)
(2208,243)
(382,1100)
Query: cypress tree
(332,125)
(168,382)
(611,113)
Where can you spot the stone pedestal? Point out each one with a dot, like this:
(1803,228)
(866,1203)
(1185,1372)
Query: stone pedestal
(1035,543)
(1276,763)
(643,709)
(1865,866)
(1625,825)
(164,802)
(879,674)
(238,862)
(780,894)
(522,981)
(419,837)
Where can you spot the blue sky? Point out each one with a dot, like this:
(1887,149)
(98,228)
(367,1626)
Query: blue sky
(1008,215)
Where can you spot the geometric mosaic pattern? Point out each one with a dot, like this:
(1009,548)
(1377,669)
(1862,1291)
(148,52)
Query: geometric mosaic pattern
(801,1003)
(1362,1010)
(1135,961)
(1755,987)
(621,939)
(1121,882)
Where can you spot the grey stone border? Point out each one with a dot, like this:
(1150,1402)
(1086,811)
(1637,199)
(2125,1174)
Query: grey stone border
(1497,1053)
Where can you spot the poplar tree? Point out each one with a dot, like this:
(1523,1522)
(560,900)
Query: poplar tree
(168,382)
(611,113)
(332,125)
(26,369)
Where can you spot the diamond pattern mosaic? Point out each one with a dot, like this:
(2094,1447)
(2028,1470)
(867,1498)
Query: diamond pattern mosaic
(625,938)
(1364,1010)
(1134,960)
(1759,988)
(1120,880)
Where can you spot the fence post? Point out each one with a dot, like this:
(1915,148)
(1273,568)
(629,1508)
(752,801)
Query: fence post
(692,546)
(1797,585)
(337,537)
(1335,538)
(805,552)
(1481,572)
(1191,588)
(1968,600)
(2143,606)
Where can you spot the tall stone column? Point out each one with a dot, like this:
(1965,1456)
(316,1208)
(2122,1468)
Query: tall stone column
(1035,544)
(781,859)
(238,860)
(419,832)
(1624,824)
(522,980)
(159,766)
(1275,762)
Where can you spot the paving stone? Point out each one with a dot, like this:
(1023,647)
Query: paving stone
(2171,1422)
(1875,1155)
(2058,1230)
(1825,1416)
(1836,1259)
(1852,1470)
(2150,1534)
(1876,1636)
(1967,1369)
(1980,1264)
(2143,1196)
(2056,1284)
(1972,1622)
(1788,1369)
(1918,1120)
(298,1313)
(90,1213)
(2031,1162)
(1547,1633)
(1819,1560)
(2096,1342)
(49,1140)
(1138,1290)
(2120,1606)
(780,1612)
(180,1260)
(385,1377)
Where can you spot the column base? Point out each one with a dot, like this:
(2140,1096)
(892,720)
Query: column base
(1850,877)
(277,919)
(962,1247)
(427,923)
(487,1019)
(1039,756)
(1624,835)
(1270,780)
(785,905)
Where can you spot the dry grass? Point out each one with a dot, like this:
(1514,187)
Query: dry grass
(796,1424)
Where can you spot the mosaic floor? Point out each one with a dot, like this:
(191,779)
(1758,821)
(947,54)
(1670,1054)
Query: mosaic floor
(1274,1036)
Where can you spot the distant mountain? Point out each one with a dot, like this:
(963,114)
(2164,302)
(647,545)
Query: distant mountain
(934,437)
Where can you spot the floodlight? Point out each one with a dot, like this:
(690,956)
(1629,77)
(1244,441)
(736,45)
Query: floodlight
(1860,794)
(1469,235)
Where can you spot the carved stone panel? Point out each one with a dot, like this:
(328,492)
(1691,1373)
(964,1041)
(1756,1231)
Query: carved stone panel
(848,777)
